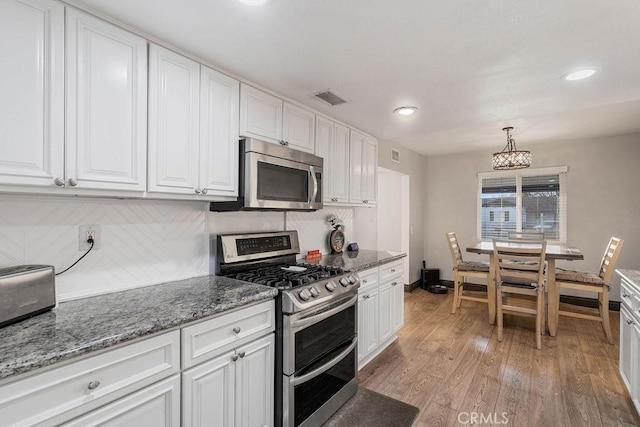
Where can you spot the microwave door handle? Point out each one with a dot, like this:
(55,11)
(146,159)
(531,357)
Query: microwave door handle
(314,192)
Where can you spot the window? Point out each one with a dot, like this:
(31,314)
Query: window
(522,200)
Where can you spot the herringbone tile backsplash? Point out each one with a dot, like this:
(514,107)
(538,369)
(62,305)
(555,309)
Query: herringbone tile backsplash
(142,242)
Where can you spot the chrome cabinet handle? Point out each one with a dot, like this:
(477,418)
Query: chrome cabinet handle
(236,330)
(365,201)
(366,296)
(393,270)
(241,354)
(94,385)
(205,191)
(364,280)
(59,182)
(394,283)
(234,357)
(630,322)
(73,182)
(197,190)
(625,296)
(334,199)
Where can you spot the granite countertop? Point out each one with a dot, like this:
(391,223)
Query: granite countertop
(81,326)
(631,275)
(359,260)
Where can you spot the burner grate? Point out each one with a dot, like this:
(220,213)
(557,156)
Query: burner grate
(276,277)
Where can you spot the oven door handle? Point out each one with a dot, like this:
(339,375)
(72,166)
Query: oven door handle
(324,368)
(314,190)
(297,325)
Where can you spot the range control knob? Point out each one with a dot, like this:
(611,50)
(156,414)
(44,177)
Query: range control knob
(330,286)
(304,295)
(314,291)
(352,279)
(344,282)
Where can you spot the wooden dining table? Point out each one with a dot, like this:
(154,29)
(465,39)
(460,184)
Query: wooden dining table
(554,252)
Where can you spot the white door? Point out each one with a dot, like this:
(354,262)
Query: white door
(260,114)
(397,304)
(325,131)
(369,171)
(31,92)
(254,383)
(174,102)
(386,309)
(106,105)
(298,127)
(218,133)
(340,164)
(356,159)
(155,406)
(208,393)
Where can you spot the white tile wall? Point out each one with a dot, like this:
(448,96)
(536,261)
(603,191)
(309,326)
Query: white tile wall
(143,242)
(313,228)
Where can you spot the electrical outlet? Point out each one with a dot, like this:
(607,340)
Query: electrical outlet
(86,232)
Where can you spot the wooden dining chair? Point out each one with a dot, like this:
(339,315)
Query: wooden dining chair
(463,269)
(591,282)
(520,272)
(525,235)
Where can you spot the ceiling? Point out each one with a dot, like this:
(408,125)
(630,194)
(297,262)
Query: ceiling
(470,66)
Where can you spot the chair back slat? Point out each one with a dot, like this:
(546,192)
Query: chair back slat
(610,258)
(526,235)
(520,261)
(454,247)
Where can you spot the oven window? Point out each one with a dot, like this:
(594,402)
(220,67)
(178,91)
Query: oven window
(312,394)
(282,183)
(323,337)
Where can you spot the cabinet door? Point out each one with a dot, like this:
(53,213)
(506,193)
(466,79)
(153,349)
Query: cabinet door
(106,105)
(397,305)
(626,335)
(340,164)
(31,92)
(254,383)
(325,132)
(174,92)
(208,393)
(369,170)
(157,405)
(385,311)
(298,127)
(218,133)
(356,145)
(260,114)
(368,310)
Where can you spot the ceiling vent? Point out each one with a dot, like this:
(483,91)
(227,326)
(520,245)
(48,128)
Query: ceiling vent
(329,97)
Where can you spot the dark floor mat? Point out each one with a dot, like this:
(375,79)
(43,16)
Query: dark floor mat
(371,409)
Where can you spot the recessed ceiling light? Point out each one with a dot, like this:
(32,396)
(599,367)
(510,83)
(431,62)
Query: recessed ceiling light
(253,2)
(405,111)
(580,74)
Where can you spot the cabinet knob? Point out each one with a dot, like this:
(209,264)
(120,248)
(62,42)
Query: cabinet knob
(73,182)
(393,270)
(364,280)
(394,283)
(365,296)
(197,190)
(625,296)
(59,182)
(334,199)
(94,385)
(234,357)
(630,322)
(241,354)
(205,191)
(236,330)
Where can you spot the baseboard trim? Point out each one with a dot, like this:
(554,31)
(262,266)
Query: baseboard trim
(411,286)
(568,299)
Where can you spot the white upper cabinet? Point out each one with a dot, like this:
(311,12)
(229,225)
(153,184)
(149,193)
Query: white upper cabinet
(363,166)
(218,133)
(193,127)
(332,144)
(260,114)
(298,127)
(31,92)
(271,119)
(174,106)
(106,105)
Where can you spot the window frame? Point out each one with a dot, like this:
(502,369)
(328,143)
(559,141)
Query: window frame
(561,171)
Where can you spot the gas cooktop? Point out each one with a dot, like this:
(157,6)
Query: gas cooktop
(284,276)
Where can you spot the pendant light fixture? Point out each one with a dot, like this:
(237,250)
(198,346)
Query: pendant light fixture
(510,157)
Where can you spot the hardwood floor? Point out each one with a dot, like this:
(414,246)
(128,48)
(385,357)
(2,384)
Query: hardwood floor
(451,366)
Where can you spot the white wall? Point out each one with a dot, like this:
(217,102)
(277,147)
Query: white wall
(602,188)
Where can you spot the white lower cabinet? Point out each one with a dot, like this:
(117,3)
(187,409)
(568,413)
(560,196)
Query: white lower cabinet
(630,337)
(380,309)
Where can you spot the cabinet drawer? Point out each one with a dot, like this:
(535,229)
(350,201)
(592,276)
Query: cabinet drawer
(368,278)
(205,340)
(628,296)
(60,394)
(391,270)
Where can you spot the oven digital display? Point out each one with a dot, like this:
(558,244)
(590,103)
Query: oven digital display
(255,245)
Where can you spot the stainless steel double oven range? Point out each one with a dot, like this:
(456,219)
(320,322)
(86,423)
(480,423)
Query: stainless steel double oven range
(316,323)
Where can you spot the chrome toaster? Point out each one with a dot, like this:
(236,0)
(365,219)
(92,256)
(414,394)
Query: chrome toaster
(25,291)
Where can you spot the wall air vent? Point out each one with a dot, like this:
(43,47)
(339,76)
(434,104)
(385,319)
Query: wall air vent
(329,97)
(395,155)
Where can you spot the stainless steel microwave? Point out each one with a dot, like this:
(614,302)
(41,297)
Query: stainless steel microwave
(276,177)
